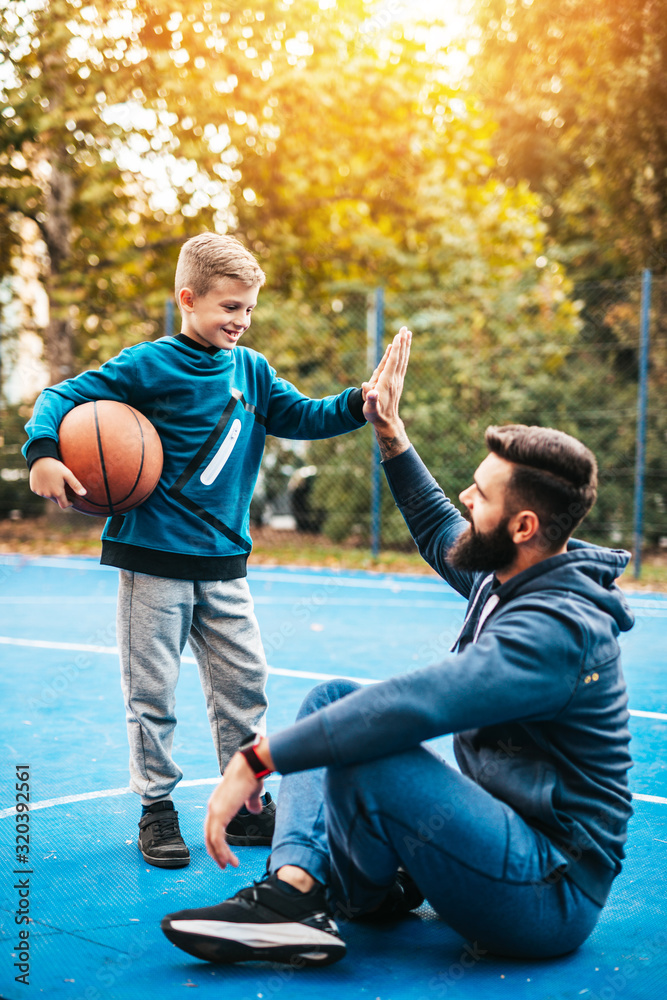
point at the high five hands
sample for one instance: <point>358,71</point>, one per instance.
<point>382,394</point>
<point>239,785</point>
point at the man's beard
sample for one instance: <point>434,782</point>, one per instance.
<point>474,551</point>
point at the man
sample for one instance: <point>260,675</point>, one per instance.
<point>517,850</point>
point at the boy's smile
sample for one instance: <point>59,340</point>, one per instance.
<point>221,316</point>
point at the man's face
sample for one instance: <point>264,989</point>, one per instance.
<point>487,544</point>
<point>222,316</point>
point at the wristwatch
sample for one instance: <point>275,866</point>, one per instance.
<point>247,748</point>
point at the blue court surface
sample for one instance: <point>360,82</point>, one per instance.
<point>95,906</point>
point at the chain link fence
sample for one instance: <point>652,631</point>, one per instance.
<point>460,381</point>
<point>461,378</point>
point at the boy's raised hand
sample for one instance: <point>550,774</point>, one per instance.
<point>48,479</point>
<point>383,391</point>
<point>373,380</point>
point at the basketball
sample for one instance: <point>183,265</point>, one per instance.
<point>115,452</point>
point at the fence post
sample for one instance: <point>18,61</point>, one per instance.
<point>169,317</point>
<point>374,352</point>
<point>642,406</point>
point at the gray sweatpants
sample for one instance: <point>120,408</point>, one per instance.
<point>156,616</point>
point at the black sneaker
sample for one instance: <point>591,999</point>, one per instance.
<point>403,896</point>
<point>253,829</point>
<point>261,923</point>
<point>160,839</point>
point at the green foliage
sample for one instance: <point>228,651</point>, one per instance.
<point>346,159</point>
<point>580,93</point>
<point>14,494</point>
<point>120,138</point>
<point>337,154</point>
<point>579,90</point>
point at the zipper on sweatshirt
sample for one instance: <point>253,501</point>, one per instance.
<point>485,582</point>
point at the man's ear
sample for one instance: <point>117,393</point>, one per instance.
<point>523,526</point>
<point>186,299</point>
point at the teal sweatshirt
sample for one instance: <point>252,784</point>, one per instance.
<point>196,523</point>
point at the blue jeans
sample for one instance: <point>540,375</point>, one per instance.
<point>483,869</point>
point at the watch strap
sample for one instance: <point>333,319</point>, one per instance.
<point>260,770</point>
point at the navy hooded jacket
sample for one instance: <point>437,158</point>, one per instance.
<point>534,692</point>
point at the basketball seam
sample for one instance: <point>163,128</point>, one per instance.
<point>141,463</point>
<point>101,454</point>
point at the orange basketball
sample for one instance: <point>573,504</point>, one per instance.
<point>115,452</point>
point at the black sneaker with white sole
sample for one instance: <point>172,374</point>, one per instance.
<point>268,921</point>
<point>160,839</point>
<point>253,829</point>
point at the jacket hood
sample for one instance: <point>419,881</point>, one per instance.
<point>585,569</point>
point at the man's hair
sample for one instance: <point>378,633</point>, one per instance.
<point>554,474</point>
<point>206,258</point>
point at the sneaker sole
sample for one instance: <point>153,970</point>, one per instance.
<point>205,939</point>
<point>245,841</point>
<point>165,862</point>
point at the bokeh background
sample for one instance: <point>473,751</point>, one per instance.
<point>496,168</point>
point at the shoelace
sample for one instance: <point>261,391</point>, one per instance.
<point>249,893</point>
<point>167,825</point>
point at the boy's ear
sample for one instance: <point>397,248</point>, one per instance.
<point>186,299</point>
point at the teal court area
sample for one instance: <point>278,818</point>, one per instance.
<point>95,906</point>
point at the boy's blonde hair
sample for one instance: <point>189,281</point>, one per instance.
<point>209,256</point>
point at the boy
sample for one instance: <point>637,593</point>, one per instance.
<point>182,554</point>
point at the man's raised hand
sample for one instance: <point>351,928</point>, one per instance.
<point>382,394</point>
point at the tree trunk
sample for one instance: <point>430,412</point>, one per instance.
<point>57,231</point>
<point>58,347</point>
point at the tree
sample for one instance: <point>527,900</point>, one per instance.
<point>416,209</point>
<point>579,88</point>
<point>121,136</point>
<point>344,158</point>
<point>579,91</point>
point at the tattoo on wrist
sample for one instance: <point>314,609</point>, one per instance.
<point>392,444</point>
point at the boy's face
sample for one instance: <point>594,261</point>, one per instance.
<point>219,318</point>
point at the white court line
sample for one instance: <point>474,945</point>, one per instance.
<point>637,599</point>
<point>642,609</point>
<point>310,675</point>
<point>80,647</point>
<point>108,793</point>
<point>655,603</point>
<point>396,584</point>
<point>262,599</point>
<point>57,599</point>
